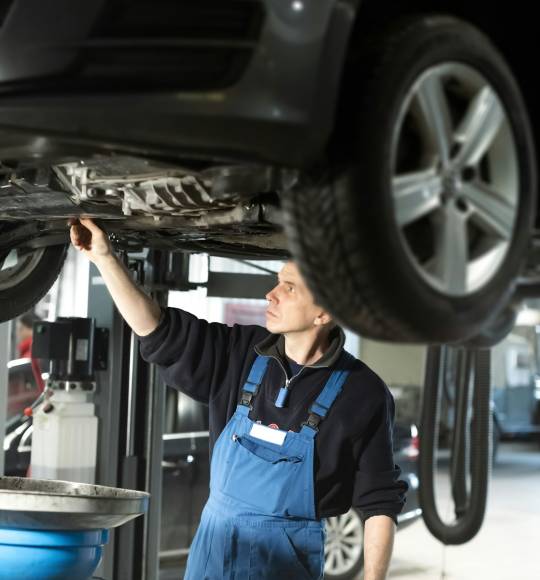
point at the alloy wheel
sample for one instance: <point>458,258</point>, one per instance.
<point>17,265</point>
<point>455,178</point>
<point>344,543</point>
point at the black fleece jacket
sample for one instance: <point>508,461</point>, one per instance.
<point>354,463</point>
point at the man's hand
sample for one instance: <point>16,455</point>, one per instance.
<point>91,240</point>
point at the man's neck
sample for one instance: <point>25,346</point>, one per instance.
<point>306,347</point>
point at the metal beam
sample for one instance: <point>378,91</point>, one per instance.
<point>229,285</point>
<point>108,401</point>
<point>5,334</point>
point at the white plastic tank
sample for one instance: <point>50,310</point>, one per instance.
<point>64,438</point>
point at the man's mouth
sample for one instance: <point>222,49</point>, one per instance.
<point>268,313</point>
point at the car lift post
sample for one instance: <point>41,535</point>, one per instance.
<point>130,401</point>
<point>4,357</point>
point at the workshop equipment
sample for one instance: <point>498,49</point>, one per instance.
<point>56,530</point>
<point>64,439</point>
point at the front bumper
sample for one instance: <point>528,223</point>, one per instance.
<point>279,110</point>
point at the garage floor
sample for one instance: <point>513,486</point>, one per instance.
<point>507,546</point>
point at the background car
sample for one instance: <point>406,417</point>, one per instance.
<point>389,146</point>
<point>186,471</point>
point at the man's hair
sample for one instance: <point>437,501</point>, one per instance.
<point>28,318</point>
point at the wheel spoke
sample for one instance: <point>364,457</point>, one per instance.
<point>434,107</point>
<point>348,551</point>
<point>452,250</point>
<point>416,195</point>
<point>353,541</point>
<point>340,560</point>
<point>351,526</point>
<point>331,523</point>
<point>491,211</point>
<point>479,128</point>
<point>331,559</point>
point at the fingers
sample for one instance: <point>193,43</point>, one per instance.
<point>73,235</point>
<point>80,235</point>
<point>77,238</point>
<point>89,223</point>
<point>87,236</point>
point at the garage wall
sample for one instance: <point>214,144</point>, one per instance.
<point>72,297</point>
<point>396,364</point>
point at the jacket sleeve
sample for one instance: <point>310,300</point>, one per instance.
<point>377,489</point>
<point>193,355</point>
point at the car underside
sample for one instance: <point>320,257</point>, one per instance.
<point>224,209</point>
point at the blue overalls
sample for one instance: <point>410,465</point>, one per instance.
<point>259,521</point>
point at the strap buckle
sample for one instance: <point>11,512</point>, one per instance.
<point>246,397</point>
<point>313,421</point>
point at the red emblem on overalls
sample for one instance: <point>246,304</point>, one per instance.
<point>273,426</point>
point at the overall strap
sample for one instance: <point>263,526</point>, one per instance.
<point>320,408</point>
<point>251,387</point>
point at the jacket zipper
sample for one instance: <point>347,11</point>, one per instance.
<point>284,391</point>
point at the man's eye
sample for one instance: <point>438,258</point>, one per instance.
<point>290,288</point>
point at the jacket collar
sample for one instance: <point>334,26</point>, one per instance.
<point>274,345</point>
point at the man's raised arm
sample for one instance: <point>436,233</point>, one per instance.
<point>140,312</point>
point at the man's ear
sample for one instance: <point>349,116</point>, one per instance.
<point>323,319</point>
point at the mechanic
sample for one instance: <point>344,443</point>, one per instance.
<point>300,430</point>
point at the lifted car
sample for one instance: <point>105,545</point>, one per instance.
<point>388,146</point>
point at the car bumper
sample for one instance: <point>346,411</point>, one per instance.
<point>280,109</point>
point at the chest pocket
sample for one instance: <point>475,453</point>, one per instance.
<point>269,481</point>
<point>267,454</point>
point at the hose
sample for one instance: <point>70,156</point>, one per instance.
<point>474,443</point>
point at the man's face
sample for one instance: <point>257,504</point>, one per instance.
<point>291,305</point>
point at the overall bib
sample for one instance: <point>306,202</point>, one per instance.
<point>259,521</point>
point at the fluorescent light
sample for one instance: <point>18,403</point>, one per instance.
<point>528,317</point>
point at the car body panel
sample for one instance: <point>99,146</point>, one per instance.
<point>280,110</point>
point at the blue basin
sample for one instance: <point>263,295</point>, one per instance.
<point>50,555</point>
<point>56,530</point>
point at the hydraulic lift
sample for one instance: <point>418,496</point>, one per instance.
<point>130,404</point>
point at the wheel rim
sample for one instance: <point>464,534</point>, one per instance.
<point>455,179</point>
<point>344,543</point>
<point>17,265</point>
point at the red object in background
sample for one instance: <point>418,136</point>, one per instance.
<point>25,348</point>
<point>25,351</point>
<point>413,450</point>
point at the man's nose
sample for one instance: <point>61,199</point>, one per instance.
<point>271,296</point>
